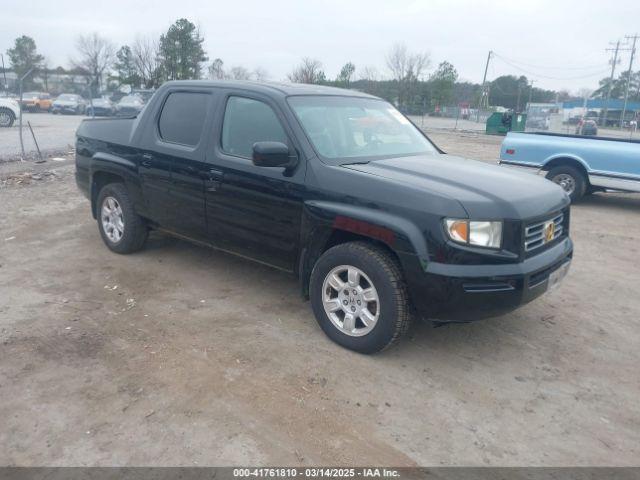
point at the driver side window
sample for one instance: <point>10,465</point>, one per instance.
<point>247,121</point>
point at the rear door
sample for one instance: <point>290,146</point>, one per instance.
<point>254,211</point>
<point>173,169</point>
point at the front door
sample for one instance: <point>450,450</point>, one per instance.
<point>254,211</point>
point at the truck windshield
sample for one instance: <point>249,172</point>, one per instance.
<point>358,129</point>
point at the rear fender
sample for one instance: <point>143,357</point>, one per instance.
<point>113,166</point>
<point>565,156</point>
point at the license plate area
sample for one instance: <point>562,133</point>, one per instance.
<point>556,277</point>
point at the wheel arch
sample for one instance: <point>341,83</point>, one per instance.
<point>98,180</point>
<point>568,160</point>
<point>327,224</point>
<point>107,169</point>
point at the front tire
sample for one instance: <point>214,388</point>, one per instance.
<point>121,228</point>
<point>570,179</point>
<point>359,297</point>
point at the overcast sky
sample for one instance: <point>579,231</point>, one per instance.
<point>559,39</point>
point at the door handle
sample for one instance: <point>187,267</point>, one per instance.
<point>214,179</point>
<point>215,174</point>
<point>146,160</point>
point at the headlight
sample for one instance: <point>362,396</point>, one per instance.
<point>469,232</point>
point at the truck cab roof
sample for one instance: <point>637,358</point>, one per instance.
<point>270,88</point>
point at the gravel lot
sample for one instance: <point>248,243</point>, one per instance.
<point>179,355</point>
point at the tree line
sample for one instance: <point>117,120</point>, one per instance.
<point>178,54</point>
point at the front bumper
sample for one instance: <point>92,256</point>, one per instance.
<point>463,293</point>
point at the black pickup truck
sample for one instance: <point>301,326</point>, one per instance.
<point>336,187</point>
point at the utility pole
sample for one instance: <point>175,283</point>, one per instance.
<point>613,70</point>
<point>484,93</point>
<point>626,88</point>
<point>4,73</point>
<point>531,91</point>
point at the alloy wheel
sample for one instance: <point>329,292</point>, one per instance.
<point>350,300</point>
<point>112,219</point>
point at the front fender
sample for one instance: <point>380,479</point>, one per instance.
<point>322,218</point>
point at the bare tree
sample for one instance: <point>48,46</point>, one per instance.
<point>407,69</point>
<point>260,74</point>
<point>406,66</point>
<point>145,59</point>
<point>369,73</point>
<point>309,71</point>
<point>216,70</point>
<point>240,73</point>
<point>95,55</point>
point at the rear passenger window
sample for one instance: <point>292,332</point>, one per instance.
<point>182,117</point>
<point>247,121</point>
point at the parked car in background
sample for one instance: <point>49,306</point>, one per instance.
<point>9,111</point>
<point>538,123</point>
<point>143,93</point>
<point>587,127</point>
<point>69,103</point>
<point>101,107</point>
<point>575,120</point>
<point>129,106</point>
<point>36,101</point>
<point>579,165</point>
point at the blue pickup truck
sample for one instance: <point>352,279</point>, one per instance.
<point>579,165</point>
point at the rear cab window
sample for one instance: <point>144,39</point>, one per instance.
<point>183,117</point>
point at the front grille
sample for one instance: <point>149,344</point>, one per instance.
<point>536,235</point>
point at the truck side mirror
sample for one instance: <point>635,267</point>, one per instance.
<point>273,154</point>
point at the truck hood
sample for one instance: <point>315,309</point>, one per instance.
<point>485,191</point>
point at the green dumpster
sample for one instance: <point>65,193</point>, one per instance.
<point>499,123</point>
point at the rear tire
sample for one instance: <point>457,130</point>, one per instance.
<point>572,181</point>
<point>376,298</point>
<point>121,228</point>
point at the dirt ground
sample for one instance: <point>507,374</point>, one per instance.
<point>180,355</point>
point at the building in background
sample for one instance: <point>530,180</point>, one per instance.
<point>594,109</point>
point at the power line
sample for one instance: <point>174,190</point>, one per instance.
<point>549,77</point>
<point>549,67</point>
